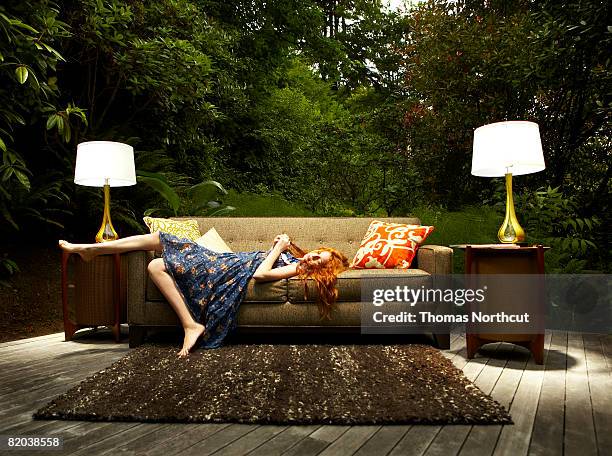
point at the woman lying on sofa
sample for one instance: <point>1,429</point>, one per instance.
<point>205,288</point>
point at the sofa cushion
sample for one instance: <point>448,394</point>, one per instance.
<point>184,229</point>
<point>349,283</point>
<point>256,292</point>
<point>212,241</point>
<point>389,245</point>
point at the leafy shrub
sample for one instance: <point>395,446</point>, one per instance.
<point>552,219</point>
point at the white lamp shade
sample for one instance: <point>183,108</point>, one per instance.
<point>98,161</point>
<point>507,147</point>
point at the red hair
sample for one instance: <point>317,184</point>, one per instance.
<point>324,275</point>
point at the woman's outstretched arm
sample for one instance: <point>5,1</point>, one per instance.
<point>266,272</point>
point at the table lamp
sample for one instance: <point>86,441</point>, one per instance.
<point>507,149</point>
<point>105,164</point>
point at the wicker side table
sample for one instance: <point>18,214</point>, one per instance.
<point>94,293</point>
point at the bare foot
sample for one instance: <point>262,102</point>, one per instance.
<point>87,251</point>
<point>191,336</point>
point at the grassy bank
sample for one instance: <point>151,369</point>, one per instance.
<point>471,225</point>
<point>253,205</point>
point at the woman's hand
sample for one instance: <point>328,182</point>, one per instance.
<point>281,242</point>
<point>266,271</point>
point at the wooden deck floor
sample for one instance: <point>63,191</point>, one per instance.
<point>563,407</point>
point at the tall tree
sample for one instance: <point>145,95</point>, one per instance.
<point>472,63</point>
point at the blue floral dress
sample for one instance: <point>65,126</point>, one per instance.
<point>213,284</point>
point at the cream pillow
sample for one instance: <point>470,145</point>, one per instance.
<point>212,241</point>
<point>180,228</point>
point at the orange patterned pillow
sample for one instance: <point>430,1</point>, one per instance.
<point>389,245</point>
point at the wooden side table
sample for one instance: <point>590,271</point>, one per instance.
<point>94,293</point>
<point>507,259</point>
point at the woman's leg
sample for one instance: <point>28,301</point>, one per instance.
<point>138,242</point>
<point>167,286</point>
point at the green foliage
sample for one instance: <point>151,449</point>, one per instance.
<point>61,120</point>
<point>551,218</point>
<point>148,69</point>
<point>330,152</point>
<point>29,32</point>
<point>7,268</point>
<point>468,64</point>
<point>327,108</point>
<point>198,200</point>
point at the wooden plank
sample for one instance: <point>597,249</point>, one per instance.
<point>29,402</point>
<point>606,348</point>
<point>250,441</point>
<point>317,441</point>
<point>77,372</point>
<point>482,439</point>
<point>384,440</point>
<point>504,389</point>
<point>192,434</point>
<point>547,435</point>
<point>37,350</point>
<point>12,361</point>
<point>284,440</point>
<point>218,440</point>
<point>31,360</point>
<point>160,436</point>
<point>460,360</point>
<point>34,374</point>
<point>450,438</point>
<point>600,385</point>
<point>416,441</point>
<point>39,427</point>
<point>26,366</point>
<point>60,336</point>
<point>515,439</point>
<point>457,344</point>
<point>109,443</point>
<point>486,382</point>
<point>350,441</point>
<point>493,369</point>
<point>87,434</point>
<point>579,436</point>
<point>29,340</point>
<point>44,378</point>
<point>474,367</point>
<point>41,377</point>
<point>160,433</point>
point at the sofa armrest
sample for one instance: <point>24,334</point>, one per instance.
<point>136,285</point>
<point>435,259</point>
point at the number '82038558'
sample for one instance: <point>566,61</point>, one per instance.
<point>8,442</point>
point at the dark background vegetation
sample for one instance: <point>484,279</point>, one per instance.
<point>304,107</point>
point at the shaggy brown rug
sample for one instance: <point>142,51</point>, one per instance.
<point>282,384</point>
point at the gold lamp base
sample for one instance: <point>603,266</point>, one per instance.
<point>106,231</point>
<point>511,231</point>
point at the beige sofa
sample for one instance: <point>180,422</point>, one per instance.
<point>280,305</point>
